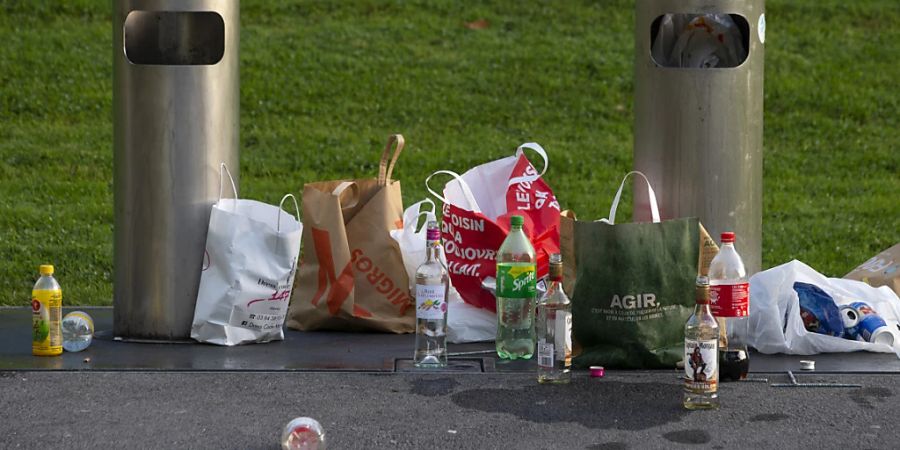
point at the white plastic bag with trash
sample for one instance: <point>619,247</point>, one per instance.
<point>248,271</point>
<point>776,325</point>
<point>698,41</point>
<point>465,323</point>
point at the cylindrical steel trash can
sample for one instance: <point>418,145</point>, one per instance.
<point>698,131</point>
<point>175,107</point>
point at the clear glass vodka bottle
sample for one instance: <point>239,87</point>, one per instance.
<point>554,329</point>
<point>701,359</point>
<point>432,284</point>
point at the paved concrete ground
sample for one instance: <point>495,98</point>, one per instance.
<point>246,410</point>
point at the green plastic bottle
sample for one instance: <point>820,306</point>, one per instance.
<point>516,294</point>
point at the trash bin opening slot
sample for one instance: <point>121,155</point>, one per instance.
<point>699,41</point>
<point>175,38</point>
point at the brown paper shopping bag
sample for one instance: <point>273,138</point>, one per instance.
<point>351,276</point>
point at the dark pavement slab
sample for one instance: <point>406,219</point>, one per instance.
<point>412,411</point>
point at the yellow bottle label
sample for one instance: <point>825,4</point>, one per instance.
<point>46,319</point>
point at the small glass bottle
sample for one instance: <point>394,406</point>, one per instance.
<point>432,284</point>
<point>554,329</point>
<point>701,358</point>
<point>46,315</point>
<point>516,294</point>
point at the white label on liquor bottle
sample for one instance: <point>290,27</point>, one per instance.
<point>431,302</point>
<point>563,334</point>
<point>545,354</point>
<point>701,365</point>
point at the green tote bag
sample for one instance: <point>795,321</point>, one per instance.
<point>633,287</point>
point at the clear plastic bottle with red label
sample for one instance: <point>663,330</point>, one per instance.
<point>730,303</point>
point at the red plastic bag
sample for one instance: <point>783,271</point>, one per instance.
<point>476,212</point>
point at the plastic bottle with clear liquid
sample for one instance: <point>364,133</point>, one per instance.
<point>730,303</point>
<point>516,294</point>
<point>432,284</point>
<point>46,315</point>
<point>77,331</point>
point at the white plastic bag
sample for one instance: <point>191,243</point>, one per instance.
<point>775,323</point>
<point>465,323</point>
<point>248,271</point>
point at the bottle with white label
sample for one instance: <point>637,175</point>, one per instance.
<point>730,303</point>
<point>701,358</point>
<point>432,284</point>
<point>554,329</point>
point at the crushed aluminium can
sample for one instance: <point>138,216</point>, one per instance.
<point>819,312</point>
<point>861,320</point>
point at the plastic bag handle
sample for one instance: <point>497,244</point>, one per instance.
<point>473,205</point>
<point>385,170</point>
<point>424,213</point>
<point>281,206</point>
<point>223,170</point>
<point>341,189</point>
<point>540,151</point>
<point>654,209</point>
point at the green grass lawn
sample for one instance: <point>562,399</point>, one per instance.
<point>324,82</point>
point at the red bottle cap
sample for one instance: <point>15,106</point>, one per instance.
<point>597,371</point>
<point>727,236</point>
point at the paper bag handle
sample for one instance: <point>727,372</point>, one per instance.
<point>281,206</point>
<point>223,170</point>
<point>473,205</point>
<point>654,209</point>
<point>384,169</point>
<point>344,188</point>
<point>540,151</point>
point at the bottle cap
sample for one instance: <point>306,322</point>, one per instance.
<point>555,258</point>
<point>433,233</point>
<point>597,371</point>
<point>516,221</point>
<point>46,269</point>
<point>807,365</point>
<point>727,236</point>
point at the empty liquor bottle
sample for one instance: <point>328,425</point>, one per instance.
<point>516,294</point>
<point>46,315</point>
<point>701,359</point>
<point>730,303</point>
<point>432,283</point>
<point>554,329</point>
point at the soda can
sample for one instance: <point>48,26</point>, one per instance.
<point>871,327</point>
<point>850,317</point>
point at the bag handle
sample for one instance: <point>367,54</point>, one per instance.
<point>281,206</point>
<point>654,209</point>
<point>424,213</point>
<point>467,192</point>
<point>540,151</point>
<point>384,169</point>
<point>223,170</point>
<point>347,187</point>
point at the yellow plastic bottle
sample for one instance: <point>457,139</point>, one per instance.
<point>46,315</point>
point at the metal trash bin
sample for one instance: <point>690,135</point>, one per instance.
<point>175,108</point>
<point>698,131</point>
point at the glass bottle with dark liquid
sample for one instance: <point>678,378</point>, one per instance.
<point>730,303</point>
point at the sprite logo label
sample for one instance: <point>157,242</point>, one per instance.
<point>516,280</point>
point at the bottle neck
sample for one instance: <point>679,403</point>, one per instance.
<point>432,251</point>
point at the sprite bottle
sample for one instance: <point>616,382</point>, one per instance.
<point>516,294</point>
